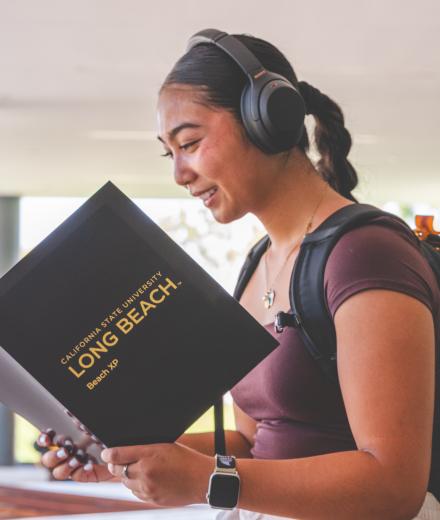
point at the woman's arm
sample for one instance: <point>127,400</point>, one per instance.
<point>386,369</point>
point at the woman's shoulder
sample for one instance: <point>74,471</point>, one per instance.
<point>384,253</point>
<point>385,233</point>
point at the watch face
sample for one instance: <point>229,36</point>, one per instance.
<point>225,461</point>
<point>224,490</point>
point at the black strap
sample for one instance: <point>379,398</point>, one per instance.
<point>249,265</point>
<point>219,434</point>
<point>431,251</point>
<point>245,273</point>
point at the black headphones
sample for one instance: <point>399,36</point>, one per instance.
<point>272,109</point>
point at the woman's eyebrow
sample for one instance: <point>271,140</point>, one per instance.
<point>172,134</point>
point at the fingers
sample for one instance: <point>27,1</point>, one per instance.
<point>79,461</point>
<point>131,479</point>
<point>63,463</point>
<point>82,469</point>
<point>62,456</point>
<point>60,449</point>
<point>118,471</point>
<point>53,458</point>
<point>44,440</point>
<point>123,454</point>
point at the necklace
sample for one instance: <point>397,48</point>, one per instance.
<point>269,295</point>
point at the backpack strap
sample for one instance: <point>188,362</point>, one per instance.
<point>250,265</point>
<point>307,295</point>
<point>431,251</point>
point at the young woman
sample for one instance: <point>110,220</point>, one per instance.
<point>304,447</point>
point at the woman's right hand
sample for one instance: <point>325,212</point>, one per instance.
<point>67,461</point>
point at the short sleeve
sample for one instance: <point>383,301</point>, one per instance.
<point>375,256</point>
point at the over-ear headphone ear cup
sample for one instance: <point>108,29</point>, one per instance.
<point>250,115</point>
<point>273,113</point>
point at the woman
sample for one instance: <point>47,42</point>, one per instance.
<point>305,448</point>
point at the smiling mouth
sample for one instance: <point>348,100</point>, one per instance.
<point>205,195</point>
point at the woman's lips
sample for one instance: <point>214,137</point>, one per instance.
<point>211,195</point>
<point>207,195</point>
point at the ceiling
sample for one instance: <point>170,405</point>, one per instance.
<point>78,85</point>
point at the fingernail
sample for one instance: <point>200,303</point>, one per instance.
<point>82,456</point>
<point>61,453</point>
<point>88,466</point>
<point>105,455</point>
<point>69,446</point>
<point>43,439</point>
<point>73,463</point>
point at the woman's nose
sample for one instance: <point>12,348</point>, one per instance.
<point>183,174</point>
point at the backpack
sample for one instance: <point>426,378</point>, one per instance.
<point>308,303</point>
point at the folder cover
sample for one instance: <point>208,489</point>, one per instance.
<point>110,322</point>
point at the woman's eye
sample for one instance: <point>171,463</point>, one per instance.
<point>188,145</point>
<point>182,147</point>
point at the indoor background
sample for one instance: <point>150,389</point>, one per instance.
<point>78,90</point>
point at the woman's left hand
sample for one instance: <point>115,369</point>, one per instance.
<point>164,475</point>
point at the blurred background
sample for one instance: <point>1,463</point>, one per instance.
<point>78,89</point>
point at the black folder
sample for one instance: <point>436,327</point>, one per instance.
<point>110,323</point>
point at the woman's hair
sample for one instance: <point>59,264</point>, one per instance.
<point>221,82</point>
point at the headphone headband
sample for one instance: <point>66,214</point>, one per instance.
<point>242,56</point>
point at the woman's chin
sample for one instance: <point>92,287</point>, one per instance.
<point>225,217</point>
<point>220,217</point>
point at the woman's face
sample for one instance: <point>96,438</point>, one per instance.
<point>210,154</point>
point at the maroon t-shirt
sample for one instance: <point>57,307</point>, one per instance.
<point>301,413</point>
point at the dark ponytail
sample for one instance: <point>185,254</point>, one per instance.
<point>332,139</point>
<point>220,82</point>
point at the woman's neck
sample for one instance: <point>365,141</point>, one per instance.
<point>295,195</point>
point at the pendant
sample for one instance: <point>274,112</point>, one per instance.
<point>268,298</point>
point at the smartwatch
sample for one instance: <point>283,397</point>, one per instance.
<point>224,483</point>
